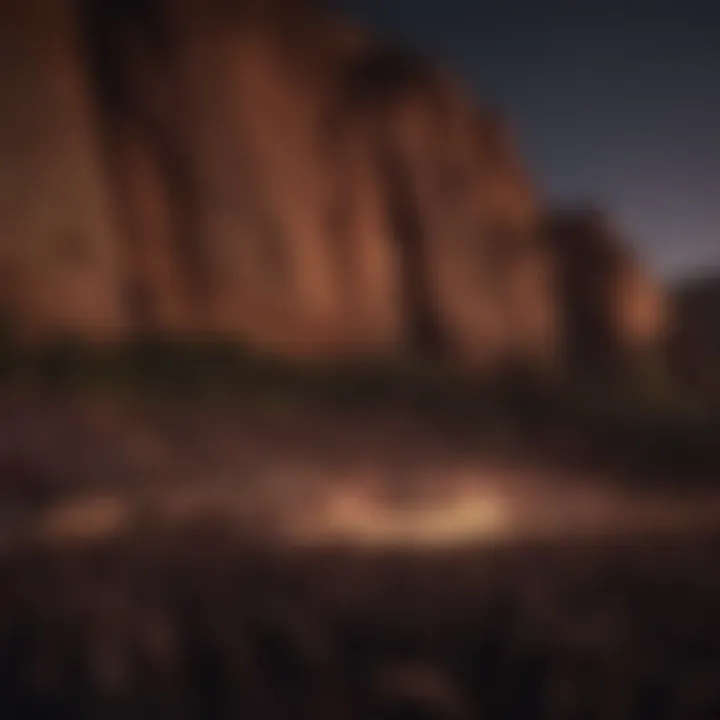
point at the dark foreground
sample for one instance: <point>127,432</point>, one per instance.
<point>194,624</point>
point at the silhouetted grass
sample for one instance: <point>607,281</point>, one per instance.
<point>642,422</point>
<point>197,625</point>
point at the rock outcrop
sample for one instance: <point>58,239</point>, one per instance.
<point>611,309</point>
<point>266,172</point>
<point>60,249</point>
<point>695,341</point>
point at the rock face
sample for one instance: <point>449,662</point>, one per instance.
<point>611,309</point>
<point>695,340</point>
<point>263,171</point>
<point>59,246</point>
<point>258,170</point>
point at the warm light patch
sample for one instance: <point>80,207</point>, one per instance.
<point>361,517</point>
<point>85,519</point>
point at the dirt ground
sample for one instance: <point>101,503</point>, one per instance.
<point>209,561</point>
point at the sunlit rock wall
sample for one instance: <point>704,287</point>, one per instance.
<point>59,247</point>
<point>266,172</point>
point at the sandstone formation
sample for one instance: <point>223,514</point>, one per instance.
<point>261,171</point>
<point>59,247</point>
<point>611,308</point>
<point>695,340</point>
<point>266,172</point>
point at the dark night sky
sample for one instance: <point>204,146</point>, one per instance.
<point>615,102</point>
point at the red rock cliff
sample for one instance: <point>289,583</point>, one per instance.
<point>262,171</point>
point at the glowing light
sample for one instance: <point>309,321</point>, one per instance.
<point>361,517</point>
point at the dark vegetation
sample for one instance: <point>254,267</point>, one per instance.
<point>642,424</point>
<point>196,626</point>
